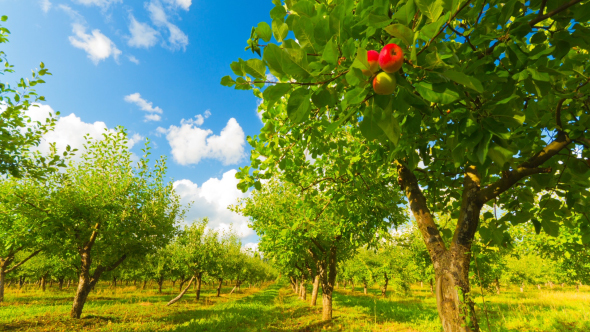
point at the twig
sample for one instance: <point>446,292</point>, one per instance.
<point>553,12</point>
<point>444,27</point>
<point>462,35</point>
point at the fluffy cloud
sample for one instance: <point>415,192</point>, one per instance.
<point>212,199</point>
<point>142,34</point>
<point>177,38</point>
<point>144,105</point>
<point>133,59</point>
<point>190,143</point>
<point>70,130</point>
<point>45,5</point>
<point>184,4</point>
<point>97,46</point>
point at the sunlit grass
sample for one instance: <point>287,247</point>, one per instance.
<point>276,308</point>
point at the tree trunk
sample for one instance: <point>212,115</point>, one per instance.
<point>522,288</point>
<point>199,278</point>
<point>219,287</point>
<point>173,283</point>
<point>303,290</point>
<point>43,282</point>
<point>365,288</point>
<point>455,307</point>
<point>160,283</point>
<point>497,286</point>
<point>85,285</point>
<point>174,300</point>
<point>2,276</point>
<point>328,276</point>
<point>314,292</point>
<point>539,287</point>
<point>21,282</point>
<point>144,285</point>
<point>69,282</point>
<point>384,287</point>
<point>352,286</point>
<point>297,287</point>
<point>293,284</point>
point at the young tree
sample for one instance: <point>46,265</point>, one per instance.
<point>491,107</point>
<point>105,210</point>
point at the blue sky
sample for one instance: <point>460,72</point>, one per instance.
<point>153,67</point>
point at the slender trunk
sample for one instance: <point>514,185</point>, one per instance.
<point>219,287</point>
<point>69,282</point>
<point>328,280</point>
<point>297,287</point>
<point>497,286</point>
<point>562,285</point>
<point>173,283</point>
<point>303,290</point>
<point>144,285</point>
<point>314,292</point>
<point>182,281</point>
<point>384,288</point>
<point>85,285</point>
<point>61,283</point>
<point>365,288</point>
<point>160,283</point>
<point>176,299</point>
<point>134,282</point>
<point>293,284</point>
<point>522,288</point>
<point>21,282</point>
<point>43,282</point>
<point>539,287</point>
<point>352,286</point>
<point>421,284</point>
<point>2,276</point>
<point>199,277</point>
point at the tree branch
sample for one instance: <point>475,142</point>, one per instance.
<point>553,12</point>
<point>444,27</point>
<point>23,261</point>
<point>558,114</point>
<point>527,168</point>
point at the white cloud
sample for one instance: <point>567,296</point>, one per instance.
<point>190,143</point>
<point>70,130</point>
<point>144,105</point>
<point>184,4</point>
<point>97,46</point>
<point>133,59</point>
<point>142,34</point>
<point>45,5</point>
<point>177,38</point>
<point>104,4</point>
<point>251,245</point>
<point>212,199</point>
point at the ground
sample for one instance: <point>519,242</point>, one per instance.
<point>274,307</point>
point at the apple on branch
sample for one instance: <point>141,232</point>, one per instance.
<point>391,58</point>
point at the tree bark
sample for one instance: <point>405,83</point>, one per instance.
<point>199,278</point>
<point>455,307</point>
<point>176,299</point>
<point>160,283</point>
<point>43,282</point>
<point>365,288</point>
<point>297,287</point>
<point>303,290</point>
<point>219,287</point>
<point>328,276</point>
<point>384,287</point>
<point>2,276</point>
<point>314,292</point>
<point>497,286</point>
<point>293,284</point>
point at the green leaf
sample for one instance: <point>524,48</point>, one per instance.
<point>227,81</point>
<point>483,147</point>
<point>330,54</point>
<point>469,81</point>
<point>406,13</point>
<point>431,8</point>
<point>236,67</point>
<point>430,30</point>
<point>273,93</point>
<point>280,30</point>
<point>299,105</point>
<point>273,55</point>
<point>499,154</point>
<point>551,227</point>
<point>390,126</point>
<point>402,32</point>
<point>278,13</point>
<point>538,76</point>
<point>4,18</point>
<point>537,225</point>
<point>441,93</point>
<point>303,29</point>
<point>256,68</point>
<point>263,31</point>
<point>340,121</point>
<point>322,98</point>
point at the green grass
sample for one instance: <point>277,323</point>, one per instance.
<point>276,308</point>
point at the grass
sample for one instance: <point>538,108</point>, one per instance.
<point>274,307</point>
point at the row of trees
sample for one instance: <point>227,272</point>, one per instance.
<point>103,214</point>
<point>491,113</point>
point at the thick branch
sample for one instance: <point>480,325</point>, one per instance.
<point>23,261</point>
<point>424,219</point>
<point>527,168</point>
<point>553,12</point>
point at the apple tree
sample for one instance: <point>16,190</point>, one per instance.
<point>491,106</point>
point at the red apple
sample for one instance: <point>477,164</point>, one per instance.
<point>373,59</point>
<point>384,84</point>
<point>391,58</point>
